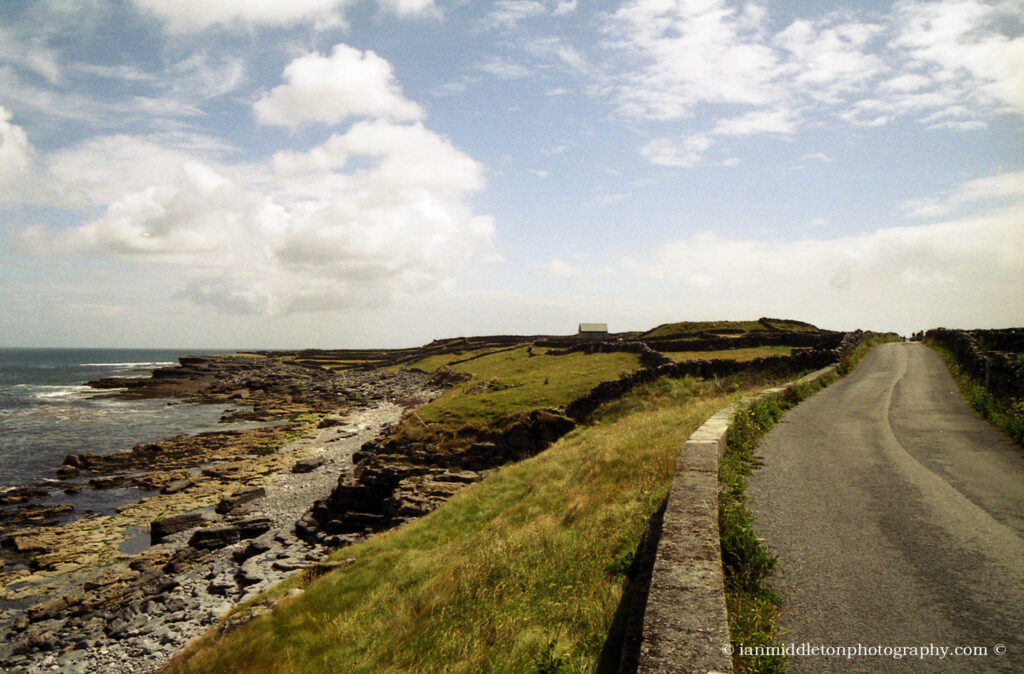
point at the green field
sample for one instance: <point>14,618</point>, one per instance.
<point>742,355</point>
<point>509,383</point>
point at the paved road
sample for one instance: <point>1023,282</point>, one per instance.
<point>898,519</point>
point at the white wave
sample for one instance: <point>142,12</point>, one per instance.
<point>61,391</point>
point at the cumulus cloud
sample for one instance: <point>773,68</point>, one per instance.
<point>15,156</point>
<point>953,63</point>
<point>689,53</point>
<point>302,232</point>
<point>348,83</point>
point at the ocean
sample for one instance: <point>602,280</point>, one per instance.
<point>47,412</point>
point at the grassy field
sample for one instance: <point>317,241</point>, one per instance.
<point>724,328</point>
<point>522,572</point>
<point>742,355</point>
<point>693,328</point>
<point>508,383</point>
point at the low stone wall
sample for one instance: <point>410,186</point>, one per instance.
<point>1002,371</point>
<point>685,624</point>
<point>799,361</point>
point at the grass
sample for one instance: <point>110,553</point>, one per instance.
<point>693,328</point>
<point>432,363</point>
<point>1006,414</point>
<point>509,383</point>
<point>742,355</point>
<point>522,572</point>
<point>725,328</point>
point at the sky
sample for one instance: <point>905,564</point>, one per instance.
<point>382,173</point>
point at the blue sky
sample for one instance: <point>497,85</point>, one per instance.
<point>342,173</point>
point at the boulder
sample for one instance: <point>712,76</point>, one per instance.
<point>162,528</point>
<point>177,486</point>
<point>240,497</point>
<point>212,538</point>
<point>309,464</point>
<point>223,535</point>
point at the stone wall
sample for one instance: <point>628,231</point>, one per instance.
<point>798,361</point>
<point>1000,369</point>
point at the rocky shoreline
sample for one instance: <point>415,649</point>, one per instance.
<point>124,592</point>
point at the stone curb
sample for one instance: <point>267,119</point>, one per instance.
<point>685,626</point>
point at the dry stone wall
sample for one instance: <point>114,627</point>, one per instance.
<point>990,356</point>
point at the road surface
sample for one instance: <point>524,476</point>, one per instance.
<point>897,515</point>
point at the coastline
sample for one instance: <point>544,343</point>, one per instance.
<point>93,594</point>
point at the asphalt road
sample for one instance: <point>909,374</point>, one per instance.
<point>897,515</point>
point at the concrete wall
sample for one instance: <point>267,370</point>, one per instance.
<point>685,625</point>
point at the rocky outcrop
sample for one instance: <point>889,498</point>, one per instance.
<point>397,480</point>
<point>272,387</point>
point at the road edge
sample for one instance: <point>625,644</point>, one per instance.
<point>685,623</point>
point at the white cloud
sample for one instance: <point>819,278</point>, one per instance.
<point>15,156</point>
<point>759,121</point>
<point>302,232</point>
<point>962,272</point>
<point>952,64</point>
<point>963,45</point>
<point>411,7</point>
<point>690,53</point>
<point>198,15</point>
<point>188,15</point>
<point>565,7</point>
<point>507,13</point>
<point>29,53</point>
<point>204,76</point>
<point>195,15</point>
<point>828,62</point>
<point>985,190</point>
<point>506,70</point>
<point>348,83</point>
<point>683,152</point>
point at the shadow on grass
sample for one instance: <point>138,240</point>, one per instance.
<point>621,652</point>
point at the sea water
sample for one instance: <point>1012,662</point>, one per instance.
<point>47,412</point>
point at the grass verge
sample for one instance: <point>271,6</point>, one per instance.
<point>746,562</point>
<point>852,358</point>
<point>522,572</point>
<point>1006,414</point>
